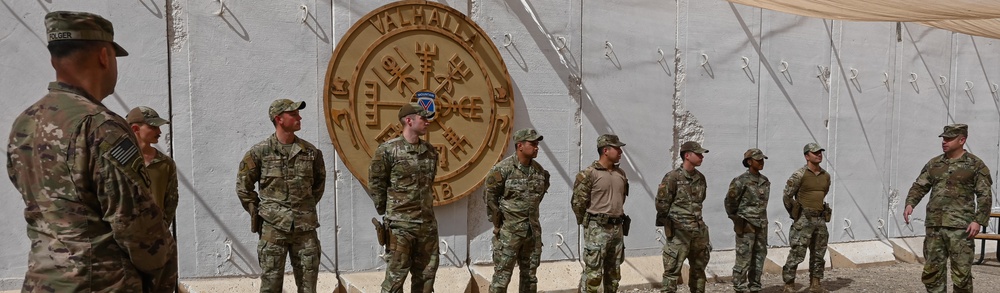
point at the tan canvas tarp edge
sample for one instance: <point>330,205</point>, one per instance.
<point>989,28</point>
<point>883,10</point>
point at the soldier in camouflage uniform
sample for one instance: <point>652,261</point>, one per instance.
<point>291,176</point>
<point>162,170</point>
<point>746,205</point>
<point>401,179</point>
<point>514,189</point>
<point>679,202</point>
<point>956,180</point>
<point>598,202</point>
<point>91,222</point>
<point>803,199</point>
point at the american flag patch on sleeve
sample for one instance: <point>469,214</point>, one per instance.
<point>125,151</point>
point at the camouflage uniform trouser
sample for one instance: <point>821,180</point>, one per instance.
<point>516,245</point>
<point>415,251</point>
<point>604,252</point>
<point>940,244</point>
<point>807,232</point>
<point>693,245</point>
<point>303,248</point>
<point>751,251</point>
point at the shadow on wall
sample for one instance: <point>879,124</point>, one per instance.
<point>237,255</point>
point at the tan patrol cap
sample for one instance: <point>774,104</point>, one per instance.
<point>527,134</point>
<point>609,140</point>
<point>812,147</point>
<point>955,130</point>
<point>283,105</point>
<point>147,115</point>
<point>753,153</point>
<point>74,25</point>
<point>693,146</point>
<point>414,108</point>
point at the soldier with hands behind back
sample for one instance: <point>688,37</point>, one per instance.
<point>599,194</point>
<point>91,221</point>
<point>514,190</point>
<point>803,199</point>
<point>400,183</point>
<point>291,176</point>
<point>746,205</point>
<point>679,202</point>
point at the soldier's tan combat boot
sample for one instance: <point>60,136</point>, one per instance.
<point>789,288</point>
<point>815,286</point>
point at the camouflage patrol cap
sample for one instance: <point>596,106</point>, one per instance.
<point>147,115</point>
<point>955,130</point>
<point>692,146</point>
<point>609,140</point>
<point>283,105</point>
<point>812,147</point>
<point>414,108</point>
<point>527,134</point>
<point>753,153</point>
<point>74,25</point>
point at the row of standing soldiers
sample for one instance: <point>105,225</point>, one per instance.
<point>98,206</point>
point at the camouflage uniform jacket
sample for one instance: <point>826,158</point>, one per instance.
<point>954,185</point>
<point>90,219</point>
<point>163,184</point>
<point>747,198</point>
<point>585,188</point>
<point>291,184</point>
<point>680,198</point>
<point>514,192</point>
<point>401,180</point>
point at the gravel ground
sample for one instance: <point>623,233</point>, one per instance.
<point>901,277</point>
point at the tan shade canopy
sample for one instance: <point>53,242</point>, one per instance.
<point>883,10</point>
<point>989,28</point>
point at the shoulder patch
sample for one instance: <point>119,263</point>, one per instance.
<point>124,151</point>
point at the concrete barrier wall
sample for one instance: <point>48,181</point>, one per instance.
<point>730,76</point>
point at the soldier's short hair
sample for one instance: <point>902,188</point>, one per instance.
<point>65,48</point>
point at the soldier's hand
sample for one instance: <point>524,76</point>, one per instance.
<point>906,213</point>
<point>973,230</point>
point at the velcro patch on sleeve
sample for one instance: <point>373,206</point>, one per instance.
<point>124,152</point>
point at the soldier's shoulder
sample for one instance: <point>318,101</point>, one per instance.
<point>975,159</point>
<point>307,145</point>
<point>798,173</point>
<point>392,143</point>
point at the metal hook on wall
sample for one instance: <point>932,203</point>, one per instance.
<point>508,40</point>
<point>854,73</point>
<point>562,240</point>
<point>608,49</point>
<point>746,62</point>
<point>222,7</point>
<point>660,51</point>
<point>848,222</point>
<point>913,77</point>
<point>885,78</point>
<point>444,248</point>
<point>943,79</point>
<point>993,88</point>
<point>305,13</point>
<point>779,229</point>
<point>783,66</point>
<point>560,43</point>
<point>704,59</point>
<point>969,85</point>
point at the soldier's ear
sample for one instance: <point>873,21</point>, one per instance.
<point>135,127</point>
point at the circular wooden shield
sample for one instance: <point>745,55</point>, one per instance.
<point>409,47</point>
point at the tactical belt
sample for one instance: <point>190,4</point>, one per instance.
<point>610,220</point>
<point>807,212</point>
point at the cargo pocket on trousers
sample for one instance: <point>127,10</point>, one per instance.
<point>592,256</point>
